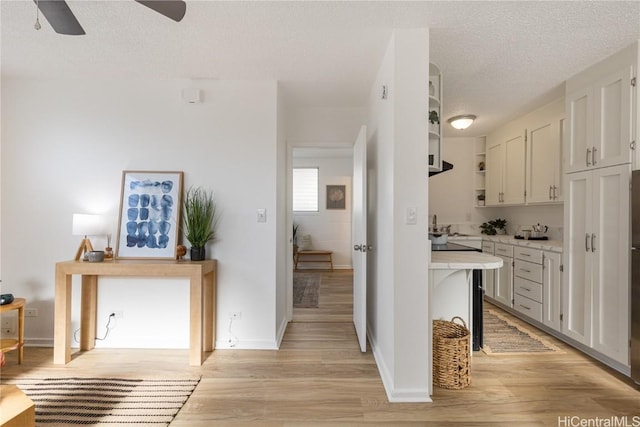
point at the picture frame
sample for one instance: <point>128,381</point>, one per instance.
<point>336,197</point>
<point>149,216</point>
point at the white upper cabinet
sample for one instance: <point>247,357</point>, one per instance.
<point>505,159</point>
<point>599,104</point>
<point>523,159</point>
<point>544,154</point>
<point>612,132</point>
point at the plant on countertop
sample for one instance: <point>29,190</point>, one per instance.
<point>433,117</point>
<point>491,227</point>
<point>200,220</point>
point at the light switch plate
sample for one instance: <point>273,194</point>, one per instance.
<point>412,216</point>
<point>262,215</point>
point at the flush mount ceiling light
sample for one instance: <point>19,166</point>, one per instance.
<point>462,122</point>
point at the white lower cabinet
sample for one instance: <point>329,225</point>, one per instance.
<point>552,289</point>
<point>488,276</point>
<point>595,298</point>
<point>503,287</point>
<point>527,282</point>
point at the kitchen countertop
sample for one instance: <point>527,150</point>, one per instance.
<point>464,260</point>
<point>545,245</point>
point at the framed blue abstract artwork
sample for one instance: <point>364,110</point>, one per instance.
<point>149,220</point>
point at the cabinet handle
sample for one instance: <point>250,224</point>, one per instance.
<point>593,156</point>
<point>586,242</point>
<point>525,307</point>
<point>526,271</point>
<point>523,254</point>
<point>554,192</point>
<point>588,156</point>
<point>593,243</point>
<point>526,289</point>
<point>550,190</point>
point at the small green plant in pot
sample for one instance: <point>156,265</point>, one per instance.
<point>495,226</point>
<point>200,220</point>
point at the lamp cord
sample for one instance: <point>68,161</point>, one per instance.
<point>37,25</point>
<point>106,333</point>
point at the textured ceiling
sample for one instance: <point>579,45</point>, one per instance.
<point>498,59</point>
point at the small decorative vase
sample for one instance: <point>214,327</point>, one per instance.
<point>197,254</point>
<point>181,251</point>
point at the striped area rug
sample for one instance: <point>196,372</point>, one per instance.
<point>105,401</point>
<point>503,336</point>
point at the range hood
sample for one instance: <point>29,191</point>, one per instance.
<point>445,167</point>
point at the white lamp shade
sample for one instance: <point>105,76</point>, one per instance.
<point>462,122</point>
<point>88,225</point>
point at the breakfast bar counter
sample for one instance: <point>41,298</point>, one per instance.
<point>451,285</point>
<point>452,260</point>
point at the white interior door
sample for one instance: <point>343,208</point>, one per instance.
<point>359,237</point>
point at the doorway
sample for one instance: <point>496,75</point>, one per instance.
<point>335,302</point>
<point>329,229</point>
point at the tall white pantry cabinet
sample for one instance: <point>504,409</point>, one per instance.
<point>601,108</point>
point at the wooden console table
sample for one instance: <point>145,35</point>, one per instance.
<point>202,300</point>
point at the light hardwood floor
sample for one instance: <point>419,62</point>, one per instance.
<point>320,378</point>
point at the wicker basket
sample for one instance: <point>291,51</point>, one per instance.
<point>451,352</point>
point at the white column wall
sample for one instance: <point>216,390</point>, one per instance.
<point>398,300</point>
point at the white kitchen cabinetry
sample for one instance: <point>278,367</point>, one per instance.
<point>544,153</point>
<point>527,282</point>
<point>503,287</point>
<point>599,113</point>
<point>488,276</point>
<point>435,129</point>
<point>552,289</point>
<point>595,300</point>
<point>505,161</point>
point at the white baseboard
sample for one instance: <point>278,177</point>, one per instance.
<point>38,342</point>
<point>395,395</point>
<point>247,345</point>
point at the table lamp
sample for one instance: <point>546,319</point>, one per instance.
<point>87,225</point>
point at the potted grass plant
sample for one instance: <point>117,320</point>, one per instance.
<point>200,220</point>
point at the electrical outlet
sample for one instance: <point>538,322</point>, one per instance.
<point>8,325</point>
<point>235,315</point>
<point>31,312</point>
<point>118,314</point>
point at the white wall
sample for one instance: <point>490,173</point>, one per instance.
<point>330,229</point>
<point>399,319</point>
<point>324,126</point>
<point>64,146</point>
<point>451,193</point>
